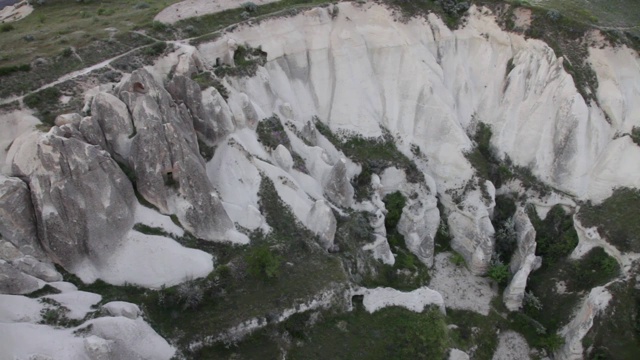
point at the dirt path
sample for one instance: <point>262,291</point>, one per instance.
<point>192,8</point>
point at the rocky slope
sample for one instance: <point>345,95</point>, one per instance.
<point>189,160</point>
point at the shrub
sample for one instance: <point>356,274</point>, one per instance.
<point>394,203</point>
<point>271,133</point>
<point>262,262</point>
<point>250,6</point>
<point>6,27</point>
<point>555,235</point>
<point>457,259</point>
<point>7,70</point>
<point>499,272</point>
<point>155,49</point>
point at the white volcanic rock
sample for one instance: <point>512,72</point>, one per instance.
<point>323,223</point>
<point>511,346</point>
<point>593,305</point>
<point>420,216</point>
<point>414,79</point>
<point>522,262</point>
<point>36,268</point>
<point>416,300</point>
<point>337,186</point>
<point>459,287</point>
<point>472,232</point>
<point>12,281</point>
<point>82,201</point>
<point>455,354</point>
<point>283,158</point>
<point>122,308</point>
<point>17,218</point>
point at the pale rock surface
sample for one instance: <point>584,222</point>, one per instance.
<point>82,201</point>
<point>13,125</point>
<point>380,246</point>
<point>420,216</point>
<point>322,222</point>
<point>282,158</point>
<point>122,308</point>
<point>41,270</point>
<point>455,354</point>
<point>337,186</point>
<point>110,126</point>
<point>149,261</point>
<point>472,232</point>
<point>15,12</point>
<point>460,288</point>
<point>15,308</point>
<point>207,127</point>
<point>17,218</point>
<point>416,300</point>
<point>511,346</point>
<point>522,261</point>
<point>12,281</point>
<point>73,119</point>
<point>164,154</point>
<point>432,92</point>
<point>593,305</point>
<point>98,348</point>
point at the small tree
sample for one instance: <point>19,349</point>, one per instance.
<point>263,262</point>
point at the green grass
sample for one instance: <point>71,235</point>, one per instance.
<point>616,219</point>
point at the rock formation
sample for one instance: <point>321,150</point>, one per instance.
<point>523,260</point>
<point>337,186</point>
<point>17,219</point>
<point>83,202</point>
<point>323,223</point>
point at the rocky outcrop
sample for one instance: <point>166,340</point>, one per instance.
<point>380,246</point>
<point>322,222</point>
<point>202,107</point>
<point>523,261</point>
<point>41,270</point>
<point>122,308</point>
<point>110,126</point>
<point>472,232</point>
<point>83,202</point>
<point>416,300</point>
<point>593,304</point>
<point>511,346</point>
<point>17,218</point>
<point>337,186</point>
<point>12,281</point>
<point>169,171</point>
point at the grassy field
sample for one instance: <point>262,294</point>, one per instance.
<point>605,13</point>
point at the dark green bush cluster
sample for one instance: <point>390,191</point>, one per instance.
<point>271,133</point>
<point>155,49</point>
<point>263,262</point>
<point>206,79</point>
<point>505,234</point>
<point>555,235</point>
<point>7,70</point>
<point>149,230</point>
<point>499,272</point>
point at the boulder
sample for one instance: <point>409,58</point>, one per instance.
<point>322,222</point>
<point>17,218</point>
<point>41,270</point>
<point>14,282</point>
<point>337,186</point>
<point>73,119</point>
<point>283,158</point>
<point>98,348</point>
<point>83,202</point>
<point>418,224</point>
<point>122,308</point>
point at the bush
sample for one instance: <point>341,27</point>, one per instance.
<point>499,272</point>
<point>457,259</point>
<point>263,263</point>
<point>250,6</point>
<point>6,27</point>
<point>394,203</point>
<point>7,70</point>
<point>271,133</point>
<point>155,49</point>
<point>555,235</point>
